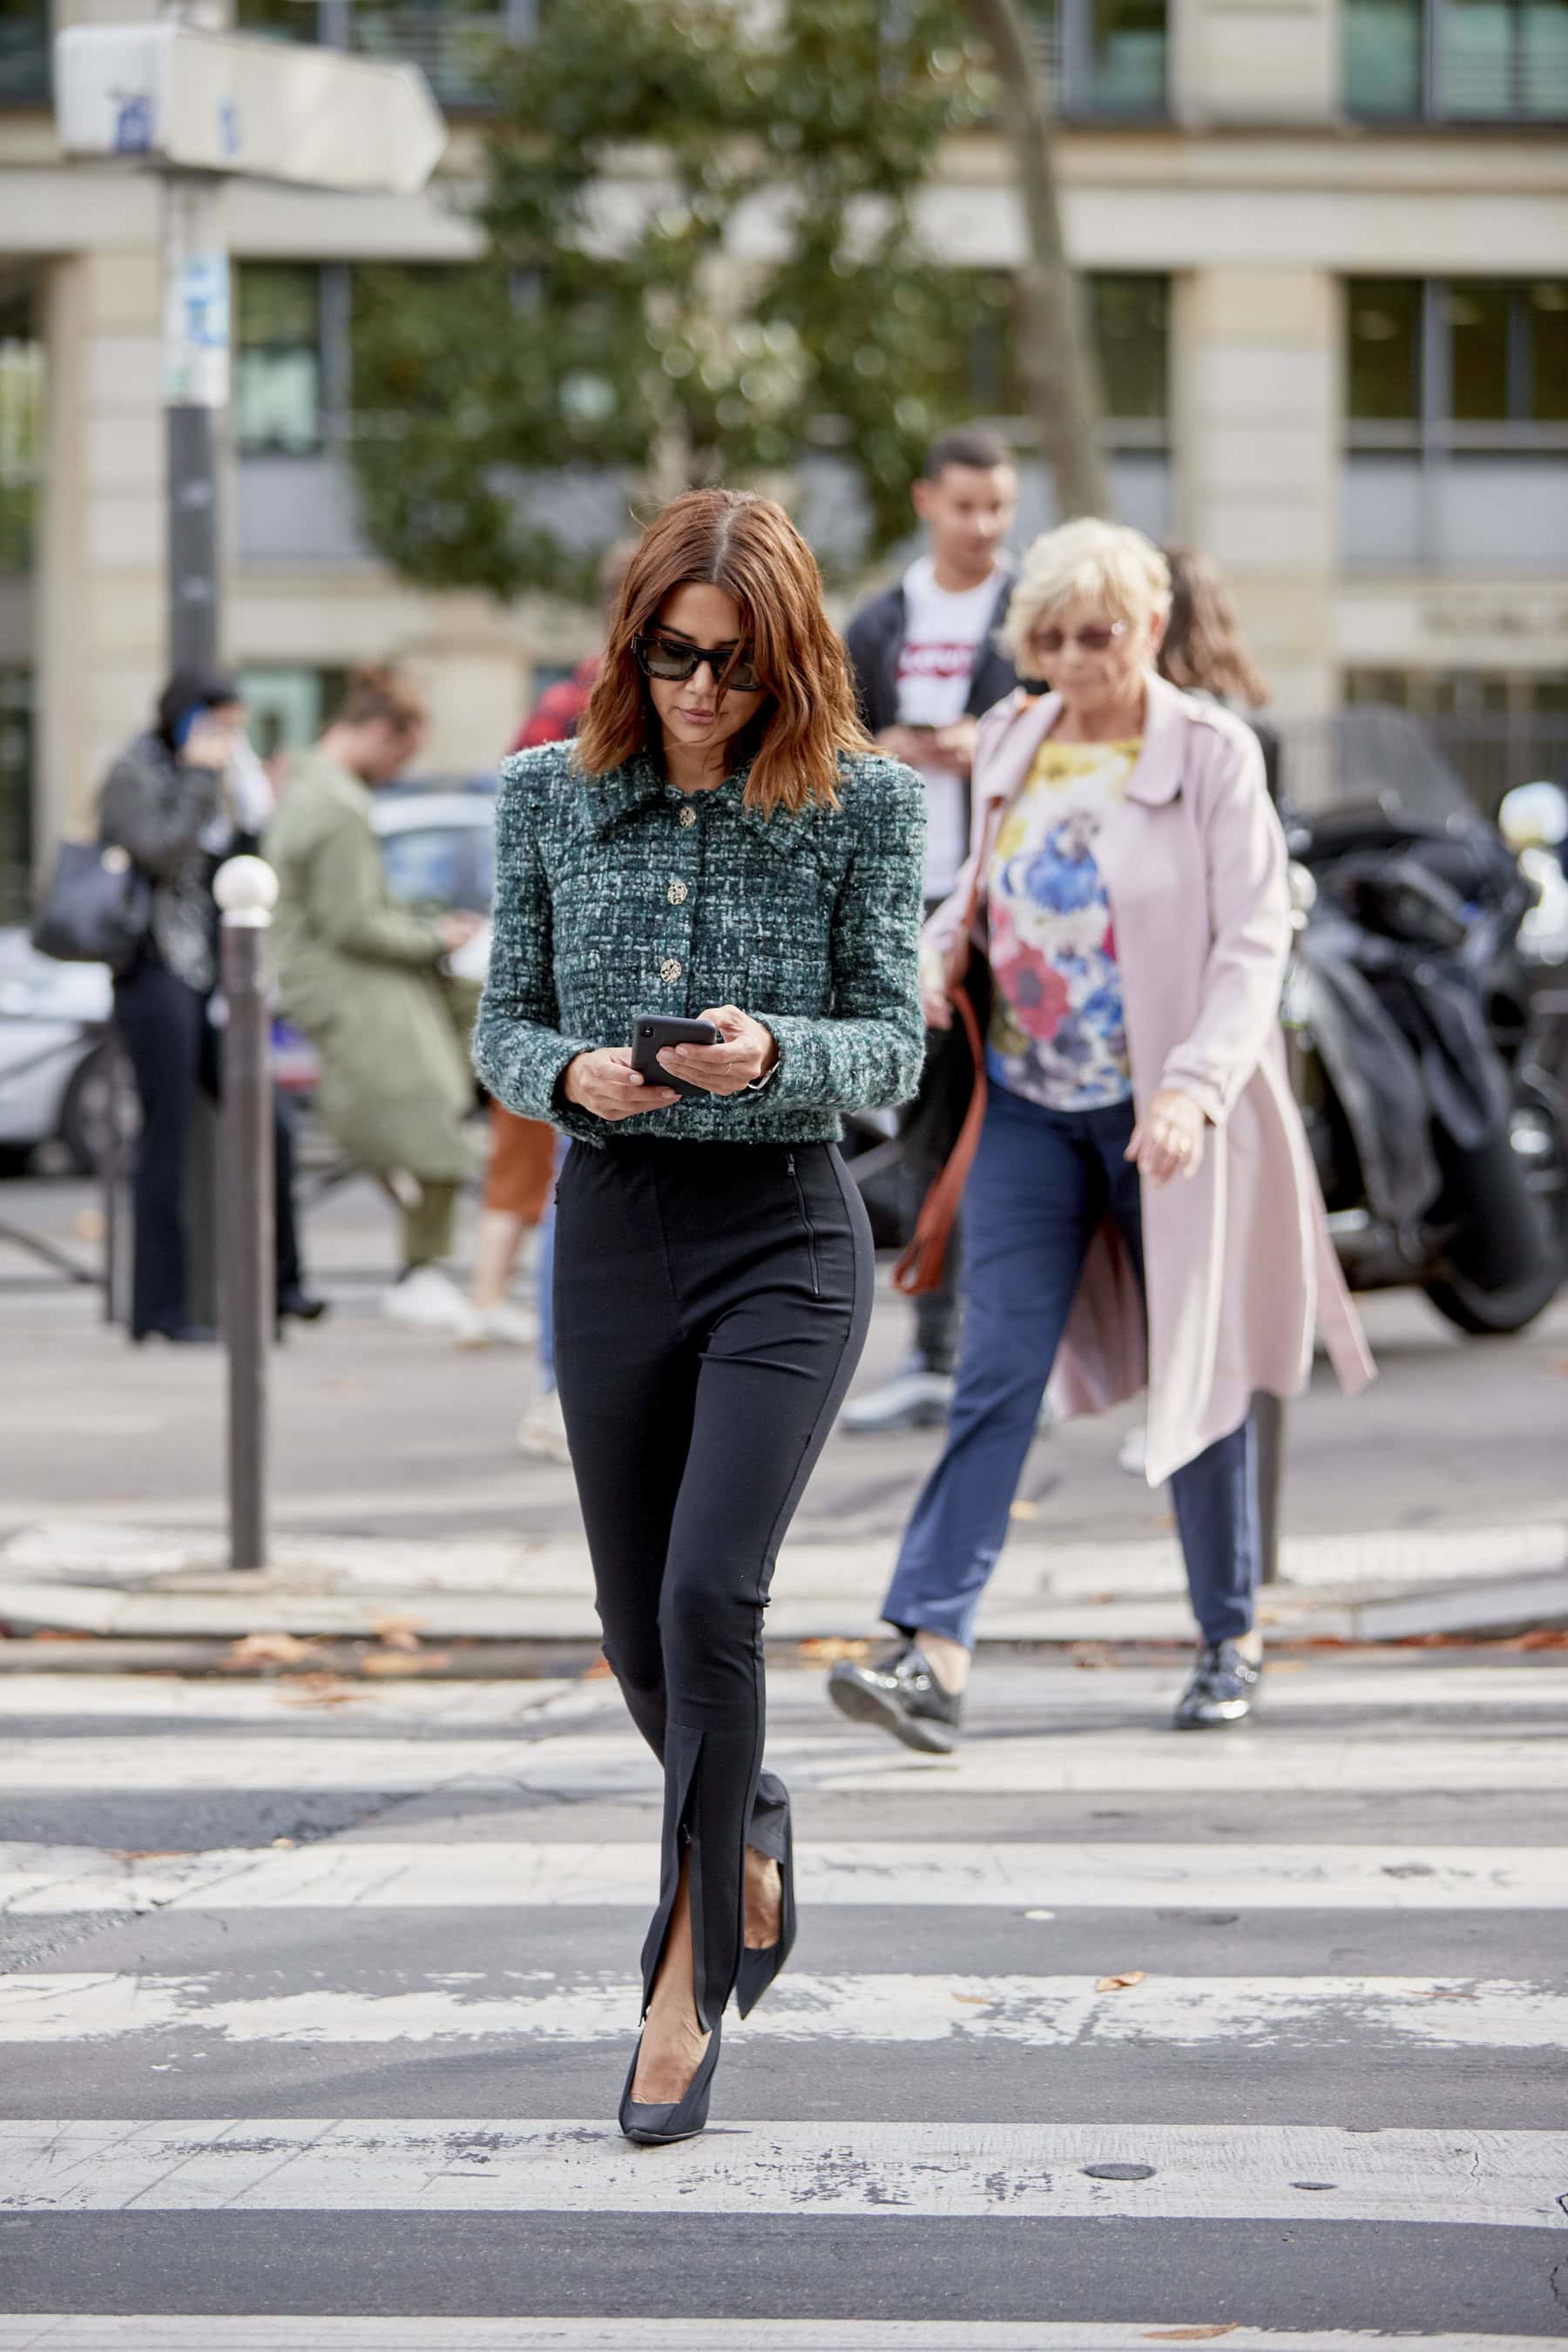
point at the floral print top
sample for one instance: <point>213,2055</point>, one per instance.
<point>1057,1033</point>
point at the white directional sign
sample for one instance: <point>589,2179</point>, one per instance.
<point>270,110</point>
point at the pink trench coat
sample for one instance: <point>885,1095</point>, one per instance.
<point>1238,1260</point>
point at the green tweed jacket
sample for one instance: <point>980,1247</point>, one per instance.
<point>618,895</point>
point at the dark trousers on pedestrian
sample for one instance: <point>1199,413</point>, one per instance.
<point>174,1054</point>
<point>1041,1184</point>
<point>711,1302</point>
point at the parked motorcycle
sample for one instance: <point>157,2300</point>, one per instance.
<point>1427,1066</point>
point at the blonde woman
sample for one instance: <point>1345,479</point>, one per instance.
<point>1142,1207</point>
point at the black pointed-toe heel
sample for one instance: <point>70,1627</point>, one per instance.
<point>760,1964</point>
<point>659,2126</point>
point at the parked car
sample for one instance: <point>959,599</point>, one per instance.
<point>56,1055</point>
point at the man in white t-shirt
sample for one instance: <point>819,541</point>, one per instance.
<point>926,666</point>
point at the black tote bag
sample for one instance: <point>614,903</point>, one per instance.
<point>96,908</point>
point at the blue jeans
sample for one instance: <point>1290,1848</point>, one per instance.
<point>1041,1184</point>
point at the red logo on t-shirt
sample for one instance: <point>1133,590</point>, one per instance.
<point>935,661</point>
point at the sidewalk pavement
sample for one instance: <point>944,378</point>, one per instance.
<point>1437,1502</point>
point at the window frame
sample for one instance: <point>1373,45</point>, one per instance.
<point>1432,104</point>
<point>1432,431</point>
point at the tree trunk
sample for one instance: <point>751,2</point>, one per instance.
<point>1055,350</point>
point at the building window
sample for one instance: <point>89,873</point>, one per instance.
<point>1105,56</point>
<point>1129,313</point>
<point>287,709</point>
<point>290,356</point>
<point>24,53</point>
<point>1457,60</point>
<point>452,40</point>
<point>1458,363</point>
<point>21,432</point>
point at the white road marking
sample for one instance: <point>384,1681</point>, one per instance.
<point>485,1873</point>
<point>1510,2179</point>
<point>1261,1759</point>
<point>43,2333</point>
<point>1041,2013</point>
<point>1052,1686</point>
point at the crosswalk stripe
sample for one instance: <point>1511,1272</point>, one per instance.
<point>1032,2012</point>
<point>483,1874</point>
<point>1292,1685</point>
<point>1133,1757</point>
<point>69,2333</point>
<point>1510,2179</point>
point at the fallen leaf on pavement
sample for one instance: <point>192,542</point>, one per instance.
<point>826,1649</point>
<point>399,1662</point>
<point>1120,1984</point>
<point>974,1999</point>
<point>1190,2334</point>
<point>1091,1654</point>
<point>1023,1510</point>
<point>319,1690</point>
<point>597,1671</point>
<point>396,1632</point>
<point>61,1633</point>
<point>1286,1666</point>
<point>269,1650</point>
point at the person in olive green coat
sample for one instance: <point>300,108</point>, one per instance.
<point>362,977</point>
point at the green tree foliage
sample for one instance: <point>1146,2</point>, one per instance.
<point>701,263</point>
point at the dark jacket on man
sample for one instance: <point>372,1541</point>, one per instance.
<point>876,638</point>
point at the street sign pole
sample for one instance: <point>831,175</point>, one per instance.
<point>195,394</point>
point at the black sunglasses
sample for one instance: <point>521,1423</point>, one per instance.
<point>675,659</point>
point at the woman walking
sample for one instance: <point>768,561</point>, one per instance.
<point>1129,884</point>
<point>720,842</point>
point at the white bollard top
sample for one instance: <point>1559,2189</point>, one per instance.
<point>247,890</point>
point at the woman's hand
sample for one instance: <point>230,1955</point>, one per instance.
<point>605,1083</point>
<point>747,1053</point>
<point>935,1002</point>
<point>1168,1139</point>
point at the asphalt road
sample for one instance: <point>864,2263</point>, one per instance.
<point>316,2002</point>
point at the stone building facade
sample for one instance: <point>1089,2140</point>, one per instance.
<point>1330,234</point>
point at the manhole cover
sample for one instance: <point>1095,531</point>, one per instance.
<point>1120,2171</point>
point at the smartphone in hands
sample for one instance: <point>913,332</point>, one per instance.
<point>651,1032</point>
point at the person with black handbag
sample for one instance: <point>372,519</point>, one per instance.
<point>167,806</point>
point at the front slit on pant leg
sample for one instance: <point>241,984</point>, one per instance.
<point>700,1376</point>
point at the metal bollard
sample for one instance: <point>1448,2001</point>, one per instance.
<point>245,890</point>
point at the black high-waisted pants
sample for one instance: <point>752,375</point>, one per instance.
<point>711,1302</point>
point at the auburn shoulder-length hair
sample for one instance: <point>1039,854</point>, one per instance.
<point>748,547</point>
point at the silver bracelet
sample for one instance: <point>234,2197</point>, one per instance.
<point>760,1086</point>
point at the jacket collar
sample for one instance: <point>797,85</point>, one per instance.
<point>1025,723</point>
<point>629,789</point>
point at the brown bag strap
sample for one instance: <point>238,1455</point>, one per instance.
<point>920,1266</point>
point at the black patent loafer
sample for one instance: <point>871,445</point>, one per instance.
<point>903,1697</point>
<point>1224,1689</point>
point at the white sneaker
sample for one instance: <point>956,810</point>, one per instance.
<point>541,1432</point>
<point>1134,1451</point>
<point>427,1300</point>
<point>504,1324</point>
